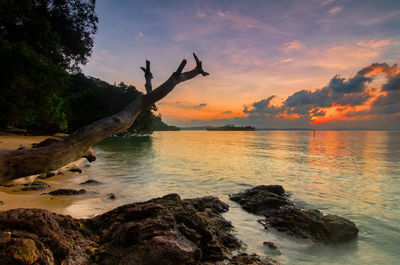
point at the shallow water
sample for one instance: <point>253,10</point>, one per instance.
<point>354,174</point>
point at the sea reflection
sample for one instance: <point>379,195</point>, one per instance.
<point>355,174</point>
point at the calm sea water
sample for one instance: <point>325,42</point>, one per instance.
<point>354,174</point>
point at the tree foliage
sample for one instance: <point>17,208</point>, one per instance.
<point>40,40</point>
<point>61,30</point>
<point>42,44</point>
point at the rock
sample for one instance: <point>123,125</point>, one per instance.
<point>25,251</point>
<point>246,259</point>
<point>269,244</point>
<point>91,182</point>
<point>311,224</point>
<point>71,192</point>
<point>111,196</point>
<point>36,236</point>
<point>261,199</point>
<point>161,231</point>
<point>36,185</point>
<point>46,176</point>
<point>1,203</point>
<point>165,230</point>
<point>283,215</point>
<point>5,237</point>
<point>75,169</point>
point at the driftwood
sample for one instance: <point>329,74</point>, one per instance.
<point>22,163</point>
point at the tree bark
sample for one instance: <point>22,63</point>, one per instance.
<point>22,163</point>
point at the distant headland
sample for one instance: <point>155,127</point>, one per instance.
<point>230,127</point>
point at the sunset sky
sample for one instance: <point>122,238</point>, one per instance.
<point>273,64</point>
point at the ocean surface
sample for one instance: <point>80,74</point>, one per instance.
<point>354,174</point>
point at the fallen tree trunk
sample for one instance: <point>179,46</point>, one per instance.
<point>21,163</point>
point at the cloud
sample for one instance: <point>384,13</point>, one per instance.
<point>335,10</point>
<point>293,46</point>
<point>326,2</point>
<point>354,85</point>
<point>139,35</point>
<point>379,19</point>
<point>393,84</point>
<point>184,105</point>
<point>342,99</point>
<point>264,106</point>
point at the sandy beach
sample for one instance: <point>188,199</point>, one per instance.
<point>12,198</point>
<point>13,141</point>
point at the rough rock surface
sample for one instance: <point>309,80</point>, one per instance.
<point>282,214</point>
<point>164,230</point>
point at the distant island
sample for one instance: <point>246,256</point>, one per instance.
<point>232,128</point>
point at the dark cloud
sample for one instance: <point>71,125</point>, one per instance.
<point>303,101</point>
<point>388,103</point>
<point>263,107</point>
<point>356,84</point>
<point>393,84</point>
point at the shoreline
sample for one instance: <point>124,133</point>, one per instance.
<point>12,198</point>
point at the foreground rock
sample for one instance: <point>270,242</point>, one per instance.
<point>164,230</point>
<point>282,214</point>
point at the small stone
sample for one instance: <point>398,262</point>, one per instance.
<point>5,237</point>
<point>26,251</point>
<point>76,169</point>
<point>91,182</point>
<point>270,244</point>
<point>67,192</point>
<point>1,203</point>
<point>111,196</point>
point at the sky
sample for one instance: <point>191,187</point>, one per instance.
<point>319,64</point>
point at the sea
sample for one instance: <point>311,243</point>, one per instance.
<point>353,174</point>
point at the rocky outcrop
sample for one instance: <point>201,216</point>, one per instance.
<point>164,230</point>
<point>280,213</point>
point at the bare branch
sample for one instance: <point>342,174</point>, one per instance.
<point>148,76</point>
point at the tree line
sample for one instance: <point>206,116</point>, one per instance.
<point>43,43</point>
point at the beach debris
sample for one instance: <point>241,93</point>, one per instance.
<point>282,214</point>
